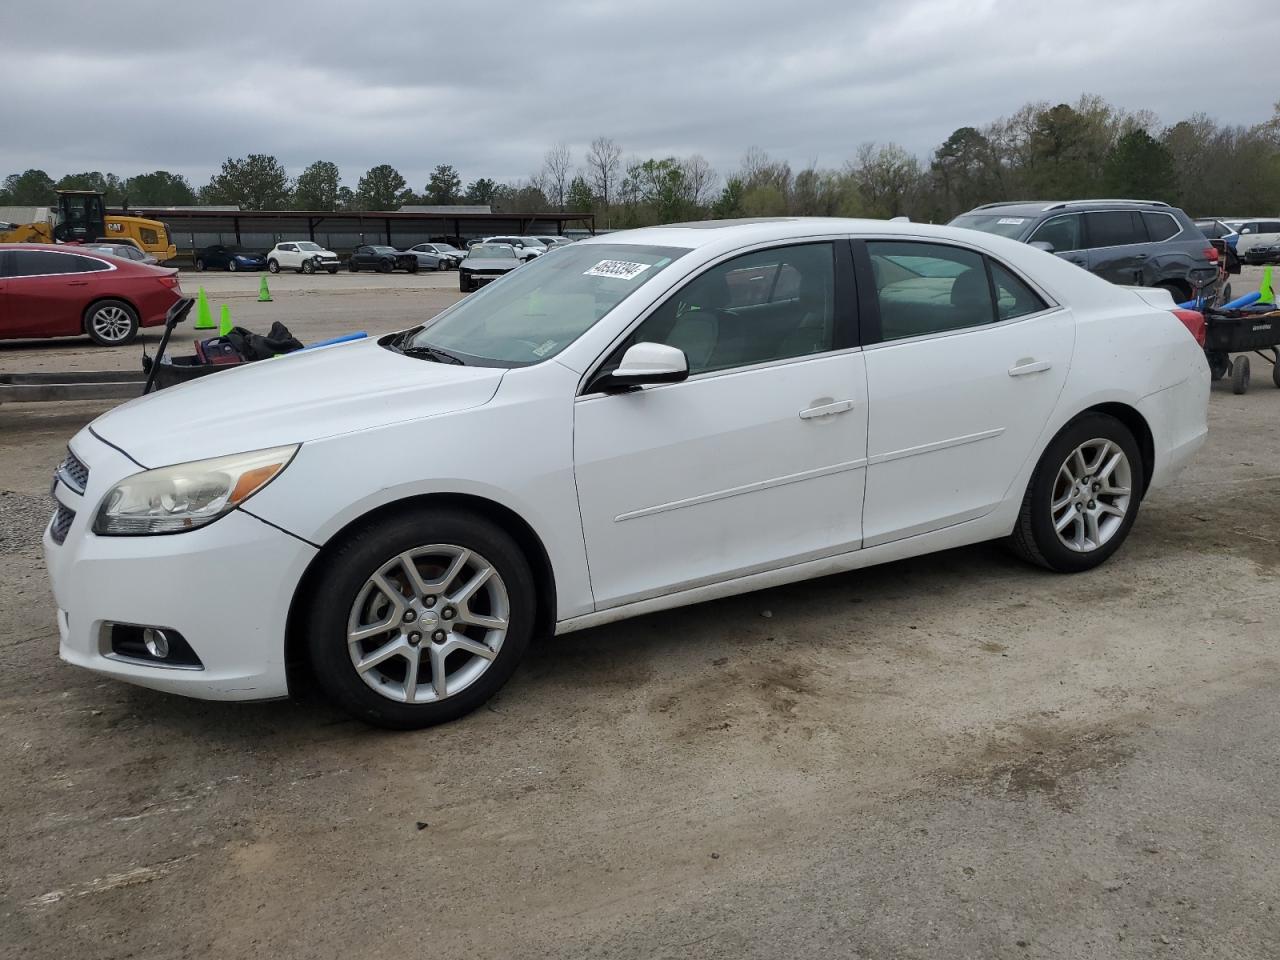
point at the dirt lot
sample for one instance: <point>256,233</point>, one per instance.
<point>956,756</point>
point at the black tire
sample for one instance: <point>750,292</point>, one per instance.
<point>231,265</point>
<point>1033,538</point>
<point>273,266</point>
<point>1240,375</point>
<point>385,266</point>
<point>463,285</point>
<point>200,265</point>
<point>1275,369</point>
<point>1226,294</point>
<point>308,266</point>
<point>106,316</point>
<point>442,264</point>
<point>362,553</point>
<point>413,268</point>
<point>332,270</point>
<point>353,266</point>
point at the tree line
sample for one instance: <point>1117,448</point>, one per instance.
<point>1043,151</point>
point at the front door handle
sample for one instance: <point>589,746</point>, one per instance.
<point>1023,367</point>
<point>826,409</point>
<point>77,283</point>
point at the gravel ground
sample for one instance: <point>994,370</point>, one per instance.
<point>953,756</point>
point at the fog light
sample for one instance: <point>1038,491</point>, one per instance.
<point>156,642</point>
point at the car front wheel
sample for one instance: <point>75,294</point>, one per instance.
<point>111,323</point>
<point>1083,497</point>
<point>421,618</point>
<point>199,264</point>
<point>308,266</point>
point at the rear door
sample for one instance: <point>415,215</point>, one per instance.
<point>1117,241</point>
<point>47,292</point>
<point>960,382</point>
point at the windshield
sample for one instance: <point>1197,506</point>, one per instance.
<point>532,242</point>
<point>383,249</point>
<point>534,312</point>
<point>999,223</point>
<point>308,245</point>
<point>497,251</point>
<point>445,248</point>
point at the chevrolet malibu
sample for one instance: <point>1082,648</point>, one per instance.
<point>642,421</point>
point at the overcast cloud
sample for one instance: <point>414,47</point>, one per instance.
<point>489,85</point>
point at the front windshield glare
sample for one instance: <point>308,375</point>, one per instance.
<point>307,245</point>
<point>540,308</point>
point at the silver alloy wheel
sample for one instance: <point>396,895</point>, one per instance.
<point>1091,495</point>
<point>428,623</point>
<point>112,324</point>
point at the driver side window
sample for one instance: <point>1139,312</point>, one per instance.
<point>768,305</point>
<point>1063,232</point>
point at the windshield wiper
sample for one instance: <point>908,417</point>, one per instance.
<point>433,353</point>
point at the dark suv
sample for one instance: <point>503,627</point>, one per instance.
<point>1135,243</point>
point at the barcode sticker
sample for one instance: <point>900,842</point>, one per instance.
<point>1013,220</point>
<point>617,269</point>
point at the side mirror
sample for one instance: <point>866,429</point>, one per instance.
<point>644,364</point>
<point>1044,245</point>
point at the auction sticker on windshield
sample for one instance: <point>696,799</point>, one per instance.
<point>1013,220</point>
<point>617,269</point>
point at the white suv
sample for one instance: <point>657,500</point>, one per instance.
<point>301,255</point>
<point>526,247</point>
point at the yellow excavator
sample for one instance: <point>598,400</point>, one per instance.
<point>81,217</point>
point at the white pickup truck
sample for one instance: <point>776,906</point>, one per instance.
<point>301,255</point>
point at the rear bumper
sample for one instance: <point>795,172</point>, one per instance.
<point>1178,417</point>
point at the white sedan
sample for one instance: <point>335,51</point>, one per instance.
<point>644,420</point>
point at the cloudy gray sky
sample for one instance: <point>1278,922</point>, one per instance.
<point>489,85</point>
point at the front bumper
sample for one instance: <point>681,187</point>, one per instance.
<point>226,588</point>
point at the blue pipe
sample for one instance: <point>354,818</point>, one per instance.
<point>345,338</point>
<point>1244,301</point>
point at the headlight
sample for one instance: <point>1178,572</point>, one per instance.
<point>187,495</point>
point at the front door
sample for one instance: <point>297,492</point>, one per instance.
<point>757,460</point>
<point>960,386</point>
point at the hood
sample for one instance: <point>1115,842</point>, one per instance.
<point>292,399</point>
<point>489,263</point>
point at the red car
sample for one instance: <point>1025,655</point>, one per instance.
<point>63,290</point>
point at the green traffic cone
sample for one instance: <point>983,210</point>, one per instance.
<point>1265,293</point>
<point>224,321</point>
<point>264,294</point>
<point>204,316</point>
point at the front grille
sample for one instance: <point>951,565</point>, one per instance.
<point>74,473</point>
<point>61,523</point>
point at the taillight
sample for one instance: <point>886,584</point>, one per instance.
<point>1211,253</point>
<point>1193,320</point>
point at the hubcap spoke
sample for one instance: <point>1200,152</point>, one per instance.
<point>412,657</point>
<point>467,618</point>
<point>441,584</point>
<point>459,642</point>
<point>439,682</point>
<point>478,580</point>
<point>395,648</point>
<point>1066,520</point>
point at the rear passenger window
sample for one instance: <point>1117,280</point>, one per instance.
<point>1271,226</point>
<point>1013,297</point>
<point>35,263</point>
<point>1114,228</point>
<point>768,305</point>
<point>926,288</point>
<point>1161,226</point>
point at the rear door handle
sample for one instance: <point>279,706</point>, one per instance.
<point>77,283</point>
<point>826,409</point>
<point>1023,367</point>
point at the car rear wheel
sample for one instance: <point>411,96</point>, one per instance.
<point>421,618</point>
<point>385,266</point>
<point>200,264</point>
<point>111,323</point>
<point>273,266</point>
<point>231,265</point>
<point>1083,497</point>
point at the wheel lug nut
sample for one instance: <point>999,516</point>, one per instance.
<point>410,616</point>
<point>1092,504</point>
<point>429,601</point>
<point>449,613</point>
<point>438,636</point>
<point>415,638</point>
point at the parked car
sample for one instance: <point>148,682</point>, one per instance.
<point>526,248</point>
<point>486,262</point>
<point>125,251</point>
<point>302,256</point>
<point>1259,241</point>
<point>1129,242</point>
<point>450,254</point>
<point>372,256</point>
<point>54,290</point>
<point>644,420</point>
<point>550,242</point>
<point>221,256</point>
<point>1217,230</point>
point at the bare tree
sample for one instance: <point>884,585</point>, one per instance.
<point>602,169</point>
<point>557,172</point>
<point>700,180</point>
